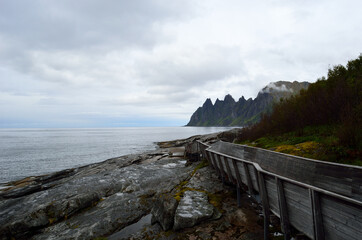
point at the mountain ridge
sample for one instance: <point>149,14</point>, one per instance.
<point>228,112</point>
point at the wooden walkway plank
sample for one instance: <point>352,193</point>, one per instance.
<point>284,218</point>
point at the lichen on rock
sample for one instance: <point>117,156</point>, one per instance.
<point>193,208</point>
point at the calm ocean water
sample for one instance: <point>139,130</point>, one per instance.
<point>31,152</point>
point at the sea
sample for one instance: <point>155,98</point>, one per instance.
<point>33,152</point>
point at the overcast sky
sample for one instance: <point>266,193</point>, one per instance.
<point>110,63</point>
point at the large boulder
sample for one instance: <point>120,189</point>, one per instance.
<point>163,211</point>
<point>193,208</point>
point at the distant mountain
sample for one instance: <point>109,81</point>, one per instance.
<point>244,112</point>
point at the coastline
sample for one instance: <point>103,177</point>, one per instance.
<point>34,152</point>
<point>101,199</point>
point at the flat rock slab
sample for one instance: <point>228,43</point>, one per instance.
<point>193,208</point>
<point>207,180</point>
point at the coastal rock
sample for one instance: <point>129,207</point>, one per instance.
<point>193,208</point>
<point>202,179</point>
<point>111,198</point>
<point>163,211</point>
<point>95,200</point>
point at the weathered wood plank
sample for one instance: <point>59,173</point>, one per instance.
<point>205,155</point>
<point>238,177</point>
<point>231,167</point>
<point>228,170</point>
<point>338,178</point>
<point>221,166</point>
<point>248,179</point>
<point>214,163</point>
<point>315,193</point>
<point>284,218</point>
<point>319,229</point>
<point>298,194</point>
<point>216,160</point>
<point>242,173</point>
<point>299,208</point>
<point>253,176</point>
<point>265,203</point>
<point>345,215</point>
<point>336,232</point>
<point>301,219</point>
<point>271,189</point>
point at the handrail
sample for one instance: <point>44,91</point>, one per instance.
<point>331,214</point>
<point>260,169</point>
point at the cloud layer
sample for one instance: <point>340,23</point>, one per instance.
<point>130,63</point>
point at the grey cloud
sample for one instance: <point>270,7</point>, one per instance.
<point>150,58</point>
<point>193,68</point>
<point>89,29</point>
<point>83,24</point>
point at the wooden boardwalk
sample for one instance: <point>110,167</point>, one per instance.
<point>322,200</point>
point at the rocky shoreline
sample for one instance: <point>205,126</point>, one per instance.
<point>154,195</point>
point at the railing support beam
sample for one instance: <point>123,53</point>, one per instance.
<point>238,195</point>
<point>228,169</point>
<point>222,170</point>
<point>284,219</point>
<point>317,215</point>
<point>248,179</point>
<point>265,203</point>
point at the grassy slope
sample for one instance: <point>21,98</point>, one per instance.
<point>323,122</point>
<point>318,142</point>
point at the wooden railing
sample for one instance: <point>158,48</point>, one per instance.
<point>321,200</point>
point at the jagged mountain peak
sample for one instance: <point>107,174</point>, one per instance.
<point>242,99</point>
<point>227,112</point>
<point>207,103</point>
<point>229,98</point>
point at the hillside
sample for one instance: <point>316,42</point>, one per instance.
<point>228,112</point>
<point>323,122</point>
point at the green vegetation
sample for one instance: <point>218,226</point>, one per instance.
<point>214,199</point>
<point>181,188</point>
<point>322,122</point>
<point>202,164</point>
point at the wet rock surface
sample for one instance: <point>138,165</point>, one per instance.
<point>95,200</point>
<point>233,223</point>
<point>193,208</point>
<point>163,210</point>
<point>108,199</point>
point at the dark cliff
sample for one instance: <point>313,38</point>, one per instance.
<point>227,112</point>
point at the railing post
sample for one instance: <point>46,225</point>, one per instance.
<point>239,182</point>
<point>284,219</point>
<point>214,163</point>
<point>248,178</point>
<point>222,170</point>
<point>208,156</point>
<point>238,196</point>
<point>199,150</point>
<point>230,175</point>
<point>265,203</point>
<point>317,215</point>
<point>237,173</point>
